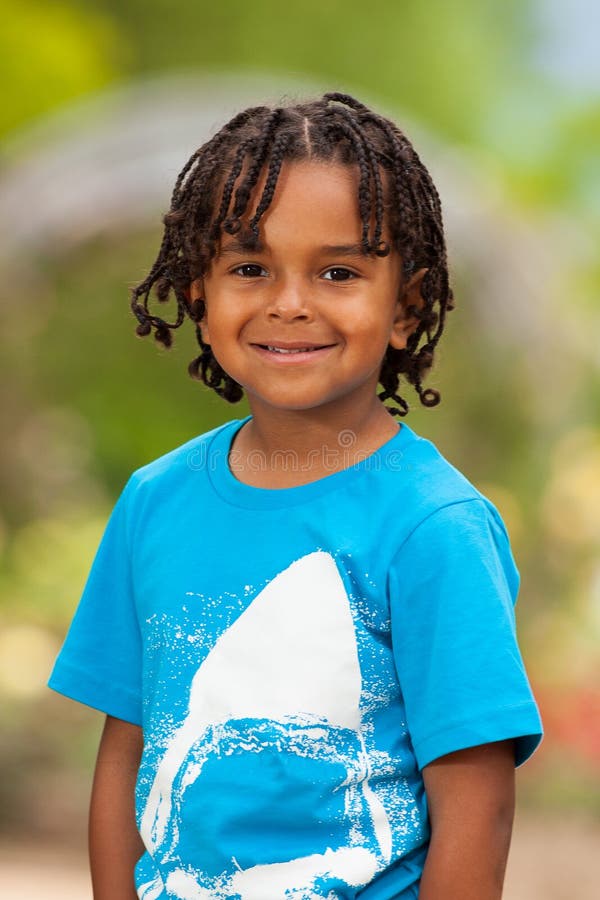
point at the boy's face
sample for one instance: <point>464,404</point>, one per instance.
<point>308,285</point>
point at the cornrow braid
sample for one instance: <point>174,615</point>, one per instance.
<point>213,192</point>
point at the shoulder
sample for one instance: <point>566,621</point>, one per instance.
<point>178,466</point>
<point>452,531</point>
<point>437,492</point>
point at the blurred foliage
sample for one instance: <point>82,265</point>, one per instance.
<point>424,56</point>
<point>53,52</point>
<point>88,402</point>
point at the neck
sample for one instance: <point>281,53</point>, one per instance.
<point>317,434</point>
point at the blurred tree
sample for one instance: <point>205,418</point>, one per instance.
<point>444,63</point>
<point>50,53</point>
<point>88,402</point>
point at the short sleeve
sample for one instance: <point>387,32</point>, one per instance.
<point>453,587</point>
<point>100,661</point>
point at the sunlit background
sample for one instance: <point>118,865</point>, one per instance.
<point>102,103</point>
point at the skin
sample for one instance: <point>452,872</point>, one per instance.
<point>470,794</point>
<point>114,842</point>
<point>297,290</point>
<point>294,289</point>
<point>471,800</point>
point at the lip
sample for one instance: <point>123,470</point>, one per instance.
<point>290,345</point>
<point>319,351</point>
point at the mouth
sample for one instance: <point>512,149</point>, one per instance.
<point>296,351</point>
<point>304,349</point>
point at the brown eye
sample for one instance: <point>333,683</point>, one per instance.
<point>338,273</point>
<point>249,270</point>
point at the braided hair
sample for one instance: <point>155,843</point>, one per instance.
<point>211,195</point>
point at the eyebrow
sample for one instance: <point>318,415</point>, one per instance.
<point>344,249</point>
<point>241,245</point>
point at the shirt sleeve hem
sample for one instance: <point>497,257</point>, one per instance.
<point>112,700</point>
<point>522,723</point>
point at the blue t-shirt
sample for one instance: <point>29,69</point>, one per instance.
<point>295,657</point>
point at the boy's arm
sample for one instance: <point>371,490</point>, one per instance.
<point>114,842</point>
<point>471,799</point>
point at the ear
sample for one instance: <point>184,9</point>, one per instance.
<point>404,325</point>
<point>196,292</point>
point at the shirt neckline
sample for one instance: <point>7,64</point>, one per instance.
<point>236,492</point>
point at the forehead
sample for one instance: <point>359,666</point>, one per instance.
<point>311,195</point>
<point>321,175</point>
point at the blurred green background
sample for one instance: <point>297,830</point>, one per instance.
<point>102,104</point>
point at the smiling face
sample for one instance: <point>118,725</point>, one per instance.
<point>308,285</point>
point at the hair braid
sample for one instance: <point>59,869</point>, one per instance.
<point>346,100</point>
<point>365,149</point>
<point>245,189</point>
<point>382,249</point>
<point>277,155</point>
<point>406,194</point>
<point>229,185</point>
<point>364,187</point>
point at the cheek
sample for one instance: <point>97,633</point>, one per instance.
<point>371,325</point>
<point>223,318</point>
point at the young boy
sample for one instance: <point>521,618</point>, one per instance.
<point>300,625</point>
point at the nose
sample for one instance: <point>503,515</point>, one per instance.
<point>290,300</point>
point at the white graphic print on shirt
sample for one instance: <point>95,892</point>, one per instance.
<point>274,684</point>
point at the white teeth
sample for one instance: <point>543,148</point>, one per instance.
<point>282,350</point>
